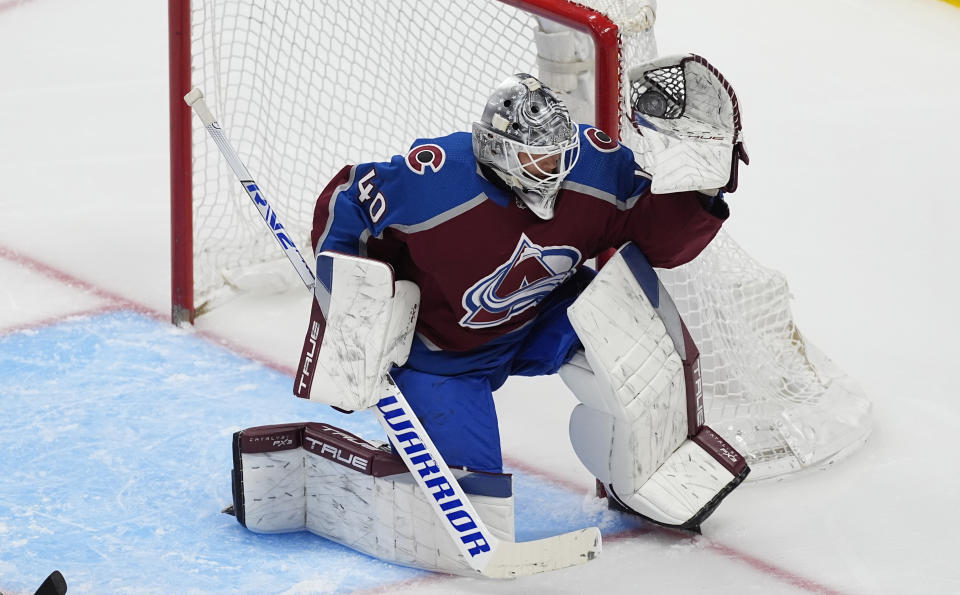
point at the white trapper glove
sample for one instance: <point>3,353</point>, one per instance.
<point>361,326</point>
<point>688,117</point>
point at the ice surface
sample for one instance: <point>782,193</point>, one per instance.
<point>851,117</point>
<point>117,439</point>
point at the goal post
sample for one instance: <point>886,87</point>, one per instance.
<point>305,87</point>
<point>181,165</point>
<point>607,68</point>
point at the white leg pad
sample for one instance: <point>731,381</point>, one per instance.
<point>273,482</point>
<point>684,485</point>
<point>389,517</point>
<point>336,485</point>
<point>633,373</point>
<point>639,427</point>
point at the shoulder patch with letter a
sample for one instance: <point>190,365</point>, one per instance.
<point>527,277</point>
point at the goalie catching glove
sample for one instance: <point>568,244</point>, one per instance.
<point>361,325</point>
<point>688,119</point>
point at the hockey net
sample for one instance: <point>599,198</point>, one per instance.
<point>303,88</point>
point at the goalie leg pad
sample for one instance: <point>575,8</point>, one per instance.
<point>639,428</point>
<point>322,479</point>
<point>682,492</point>
<point>689,485</point>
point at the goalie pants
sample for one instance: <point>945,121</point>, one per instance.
<point>452,392</point>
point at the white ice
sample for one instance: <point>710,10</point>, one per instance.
<point>852,115</point>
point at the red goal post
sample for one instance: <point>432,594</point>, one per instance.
<point>181,172</point>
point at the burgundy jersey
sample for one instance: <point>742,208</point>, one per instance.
<point>482,260</point>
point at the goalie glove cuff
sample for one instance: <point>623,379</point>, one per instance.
<point>715,205</point>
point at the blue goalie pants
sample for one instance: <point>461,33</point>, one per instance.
<point>452,392</point>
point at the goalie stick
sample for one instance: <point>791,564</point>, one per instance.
<point>488,555</point>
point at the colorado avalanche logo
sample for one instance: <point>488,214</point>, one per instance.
<point>526,278</point>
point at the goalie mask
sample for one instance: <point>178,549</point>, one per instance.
<point>527,137</point>
<point>689,120</point>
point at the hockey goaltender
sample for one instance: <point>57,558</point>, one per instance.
<point>445,270</point>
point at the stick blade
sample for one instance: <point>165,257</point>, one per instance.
<point>513,559</point>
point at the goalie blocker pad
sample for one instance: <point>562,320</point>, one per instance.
<point>639,428</point>
<point>362,323</point>
<point>320,478</point>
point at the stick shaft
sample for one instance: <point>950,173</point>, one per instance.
<point>195,100</point>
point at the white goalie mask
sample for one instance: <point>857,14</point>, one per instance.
<point>527,137</point>
<point>689,119</point>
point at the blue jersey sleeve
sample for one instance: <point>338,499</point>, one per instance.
<point>435,177</point>
<point>608,168</point>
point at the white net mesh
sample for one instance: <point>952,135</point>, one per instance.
<point>303,88</point>
<point>767,391</point>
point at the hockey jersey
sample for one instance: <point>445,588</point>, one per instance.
<point>483,261</point>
